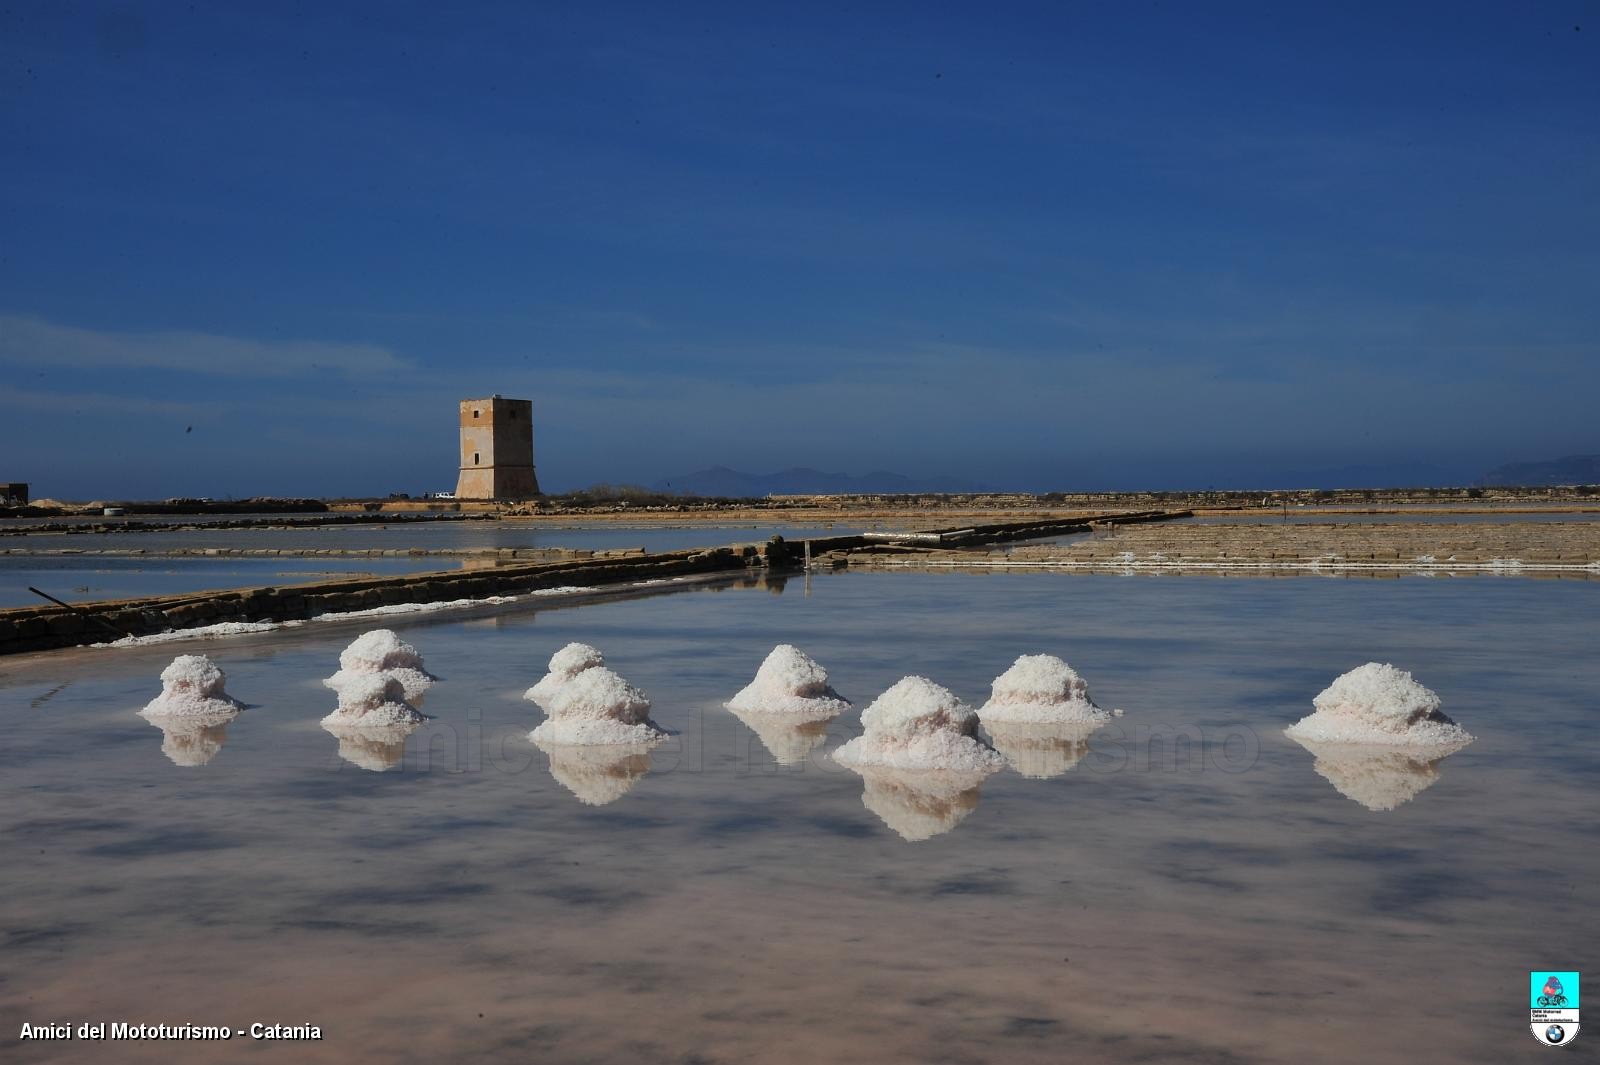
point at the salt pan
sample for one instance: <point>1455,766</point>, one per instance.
<point>1039,689</point>
<point>917,724</point>
<point>381,652</point>
<point>789,682</point>
<point>1377,703</point>
<point>192,686</point>
<point>597,707</point>
<point>565,664</point>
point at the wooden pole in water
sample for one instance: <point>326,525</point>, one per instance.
<point>81,613</point>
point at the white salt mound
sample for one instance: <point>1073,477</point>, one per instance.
<point>1377,703</point>
<point>789,682</point>
<point>192,686</point>
<point>565,664</point>
<point>1041,688</point>
<point>381,652</point>
<point>599,775</point>
<point>372,700</point>
<point>597,707</point>
<point>917,724</point>
<point>919,804</point>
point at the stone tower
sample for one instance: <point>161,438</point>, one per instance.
<point>497,449</point>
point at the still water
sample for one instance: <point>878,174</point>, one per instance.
<point>1151,902</point>
<point>84,577</point>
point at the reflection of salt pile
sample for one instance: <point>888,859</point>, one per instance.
<point>917,724</point>
<point>372,701</point>
<point>597,706</point>
<point>789,682</point>
<point>565,664</point>
<point>1380,704</point>
<point>382,653</point>
<point>789,736</point>
<point>1041,749</point>
<point>378,745</point>
<point>193,739</point>
<point>919,803</point>
<point>598,775</point>
<point>192,686</point>
<point>1041,688</point>
<point>1378,776</point>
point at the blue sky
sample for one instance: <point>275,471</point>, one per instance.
<point>265,248</point>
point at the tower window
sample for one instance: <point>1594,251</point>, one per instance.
<point>513,412</point>
<point>474,414</point>
<point>475,458</point>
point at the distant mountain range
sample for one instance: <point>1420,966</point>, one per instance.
<point>721,481</point>
<point>1573,469</point>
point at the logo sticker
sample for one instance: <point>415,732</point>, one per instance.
<point>1553,1006</point>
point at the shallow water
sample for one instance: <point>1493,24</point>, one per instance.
<point>80,578</point>
<point>1225,906</point>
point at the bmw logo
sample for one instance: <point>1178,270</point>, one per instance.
<point>1554,1034</point>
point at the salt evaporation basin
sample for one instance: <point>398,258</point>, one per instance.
<point>1377,703</point>
<point>790,681</point>
<point>372,701</point>
<point>598,775</point>
<point>565,664</point>
<point>918,804</point>
<point>1041,749</point>
<point>918,724</point>
<point>1040,689</point>
<point>381,652</point>
<point>192,686</point>
<point>597,707</point>
<point>1376,775</point>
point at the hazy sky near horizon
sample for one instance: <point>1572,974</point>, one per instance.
<point>265,248</point>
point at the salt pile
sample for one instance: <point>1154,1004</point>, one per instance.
<point>382,653</point>
<point>372,701</point>
<point>192,686</point>
<point>1041,750</point>
<point>1377,703</point>
<point>919,804</point>
<point>1041,689</point>
<point>1378,776</point>
<point>790,737</point>
<point>565,664</point>
<point>597,706</point>
<point>789,682</point>
<point>598,775</point>
<point>376,746</point>
<point>193,739</point>
<point>917,724</point>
